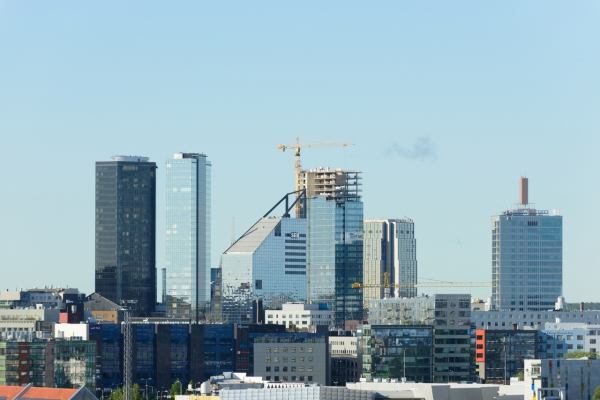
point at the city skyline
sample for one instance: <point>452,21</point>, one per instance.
<point>444,121</point>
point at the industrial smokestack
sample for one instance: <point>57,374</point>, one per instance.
<point>524,191</point>
<point>582,306</point>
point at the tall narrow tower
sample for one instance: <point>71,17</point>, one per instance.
<point>126,231</point>
<point>188,236</point>
<point>526,256</point>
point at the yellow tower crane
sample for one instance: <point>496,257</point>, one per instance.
<point>298,165</point>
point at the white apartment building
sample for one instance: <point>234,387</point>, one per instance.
<point>299,315</point>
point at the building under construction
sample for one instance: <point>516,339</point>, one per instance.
<point>334,213</point>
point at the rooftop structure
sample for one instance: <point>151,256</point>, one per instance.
<point>299,315</point>
<point>333,183</point>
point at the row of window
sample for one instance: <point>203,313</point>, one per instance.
<point>292,378</point>
<point>285,350</point>
<point>292,369</point>
<point>285,359</point>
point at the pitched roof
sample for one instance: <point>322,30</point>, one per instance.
<point>254,237</point>
<point>10,392</point>
<point>34,393</point>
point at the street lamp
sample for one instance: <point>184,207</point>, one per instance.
<point>404,367</point>
<point>147,379</point>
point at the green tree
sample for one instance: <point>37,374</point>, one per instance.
<point>135,393</point>
<point>116,394</point>
<point>596,394</point>
<point>581,353</point>
<point>175,389</point>
<point>520,375</point>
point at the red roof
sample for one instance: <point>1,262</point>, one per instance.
<point>10,392</point>
<point>49,393</point>
<point>29,392</point>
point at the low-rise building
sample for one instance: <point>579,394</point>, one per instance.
<point>449,314</point>
<point>21,321</point>
<point>102,309</point>
<point>500,355</point>
<point>29,392</point>
<point>292,357</point>
<point>574,378</point>
<point>299,315</point>
<point>499,320</point>
<point>559,338</point>
<point>344,362</point>
<point>396,352</point>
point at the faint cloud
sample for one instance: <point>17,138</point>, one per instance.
<point>457,241</point>
<point>423,148</point>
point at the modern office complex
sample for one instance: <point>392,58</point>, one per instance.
<point>450,316</point>
<point>500,355</point>
<point>396,352</point>
<point>267,263</point>
<point>335,241</point>
<point>126,231</point>
<point>188,236</point>
<point>526,257</point>
<point>389,248</point>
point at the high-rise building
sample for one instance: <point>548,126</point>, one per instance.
<point>526,257</point>
<point>389,247</point>
<point>126,231</point>
<point>188,236</point>
<point>266,264</point>
<point>334,212</point>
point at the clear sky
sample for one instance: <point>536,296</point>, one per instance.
<point>448,104</point>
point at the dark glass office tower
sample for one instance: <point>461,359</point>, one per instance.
<point>126,231</point>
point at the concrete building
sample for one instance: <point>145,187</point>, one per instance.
<point>334,211</point>
<point>573,379</point>
<point>126,231</point>
<point>102,309</point>
<point>343,348</point>
<point>266,264</point>
<point>393,389</point>
<point>313,392</point>
<point>47,297</point>
<point>24,322</point>
<point>559,338</point>
<point>188,236</point>
<point>493,320</point>
<point>450,314</point>
<point>526,257</point>
<point>292,357</point>
<point>390,248</point>
<point>299,315</point>
<point>500,354</point>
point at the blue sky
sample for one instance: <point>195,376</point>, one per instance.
<point>448,104</point>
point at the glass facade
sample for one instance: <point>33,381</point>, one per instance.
<point>335,255</point>
<point>505,352</point>
<point>126,230</point>
<point>219,353</point>
<point>188,235</point>
<point>75,364</point>
<point>396,352</point>
<point>526,260</point>
<point>450,314</point>
<point>268,262</point>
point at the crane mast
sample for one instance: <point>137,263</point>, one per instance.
<point>298,163</point>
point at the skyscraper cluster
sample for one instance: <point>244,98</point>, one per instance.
<point>318,250</point>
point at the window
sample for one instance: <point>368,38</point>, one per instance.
<point>301,359</point>
<point>293,369</point>
<point>592,341</point>
<point>310,349</point>
<point>276,350</point>
<point>275,359</point>
<point>310,378</point>
<point>579,337</point>
<point>579,347</point>
<point>310,359</point>
<point>276,369</point>
<point>309,369</point>
<point>268,369</point>
<point>267,359</point>
<point>267,349</point>
<point>285,369</point>
<point>301,369</point>
<point>569,337</point>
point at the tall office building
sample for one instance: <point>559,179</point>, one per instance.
<point>526,257</point>
<point>126,231</point>
<point>335,241</point>
<point>188,236</point>
<point>268,262</point>
<point>389,247</point>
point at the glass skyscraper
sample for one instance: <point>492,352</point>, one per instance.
<point>188,235</point>
<point>335,242</point>
<point>526,257</point>
<point>268,262</point>
<point>126,231</point>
